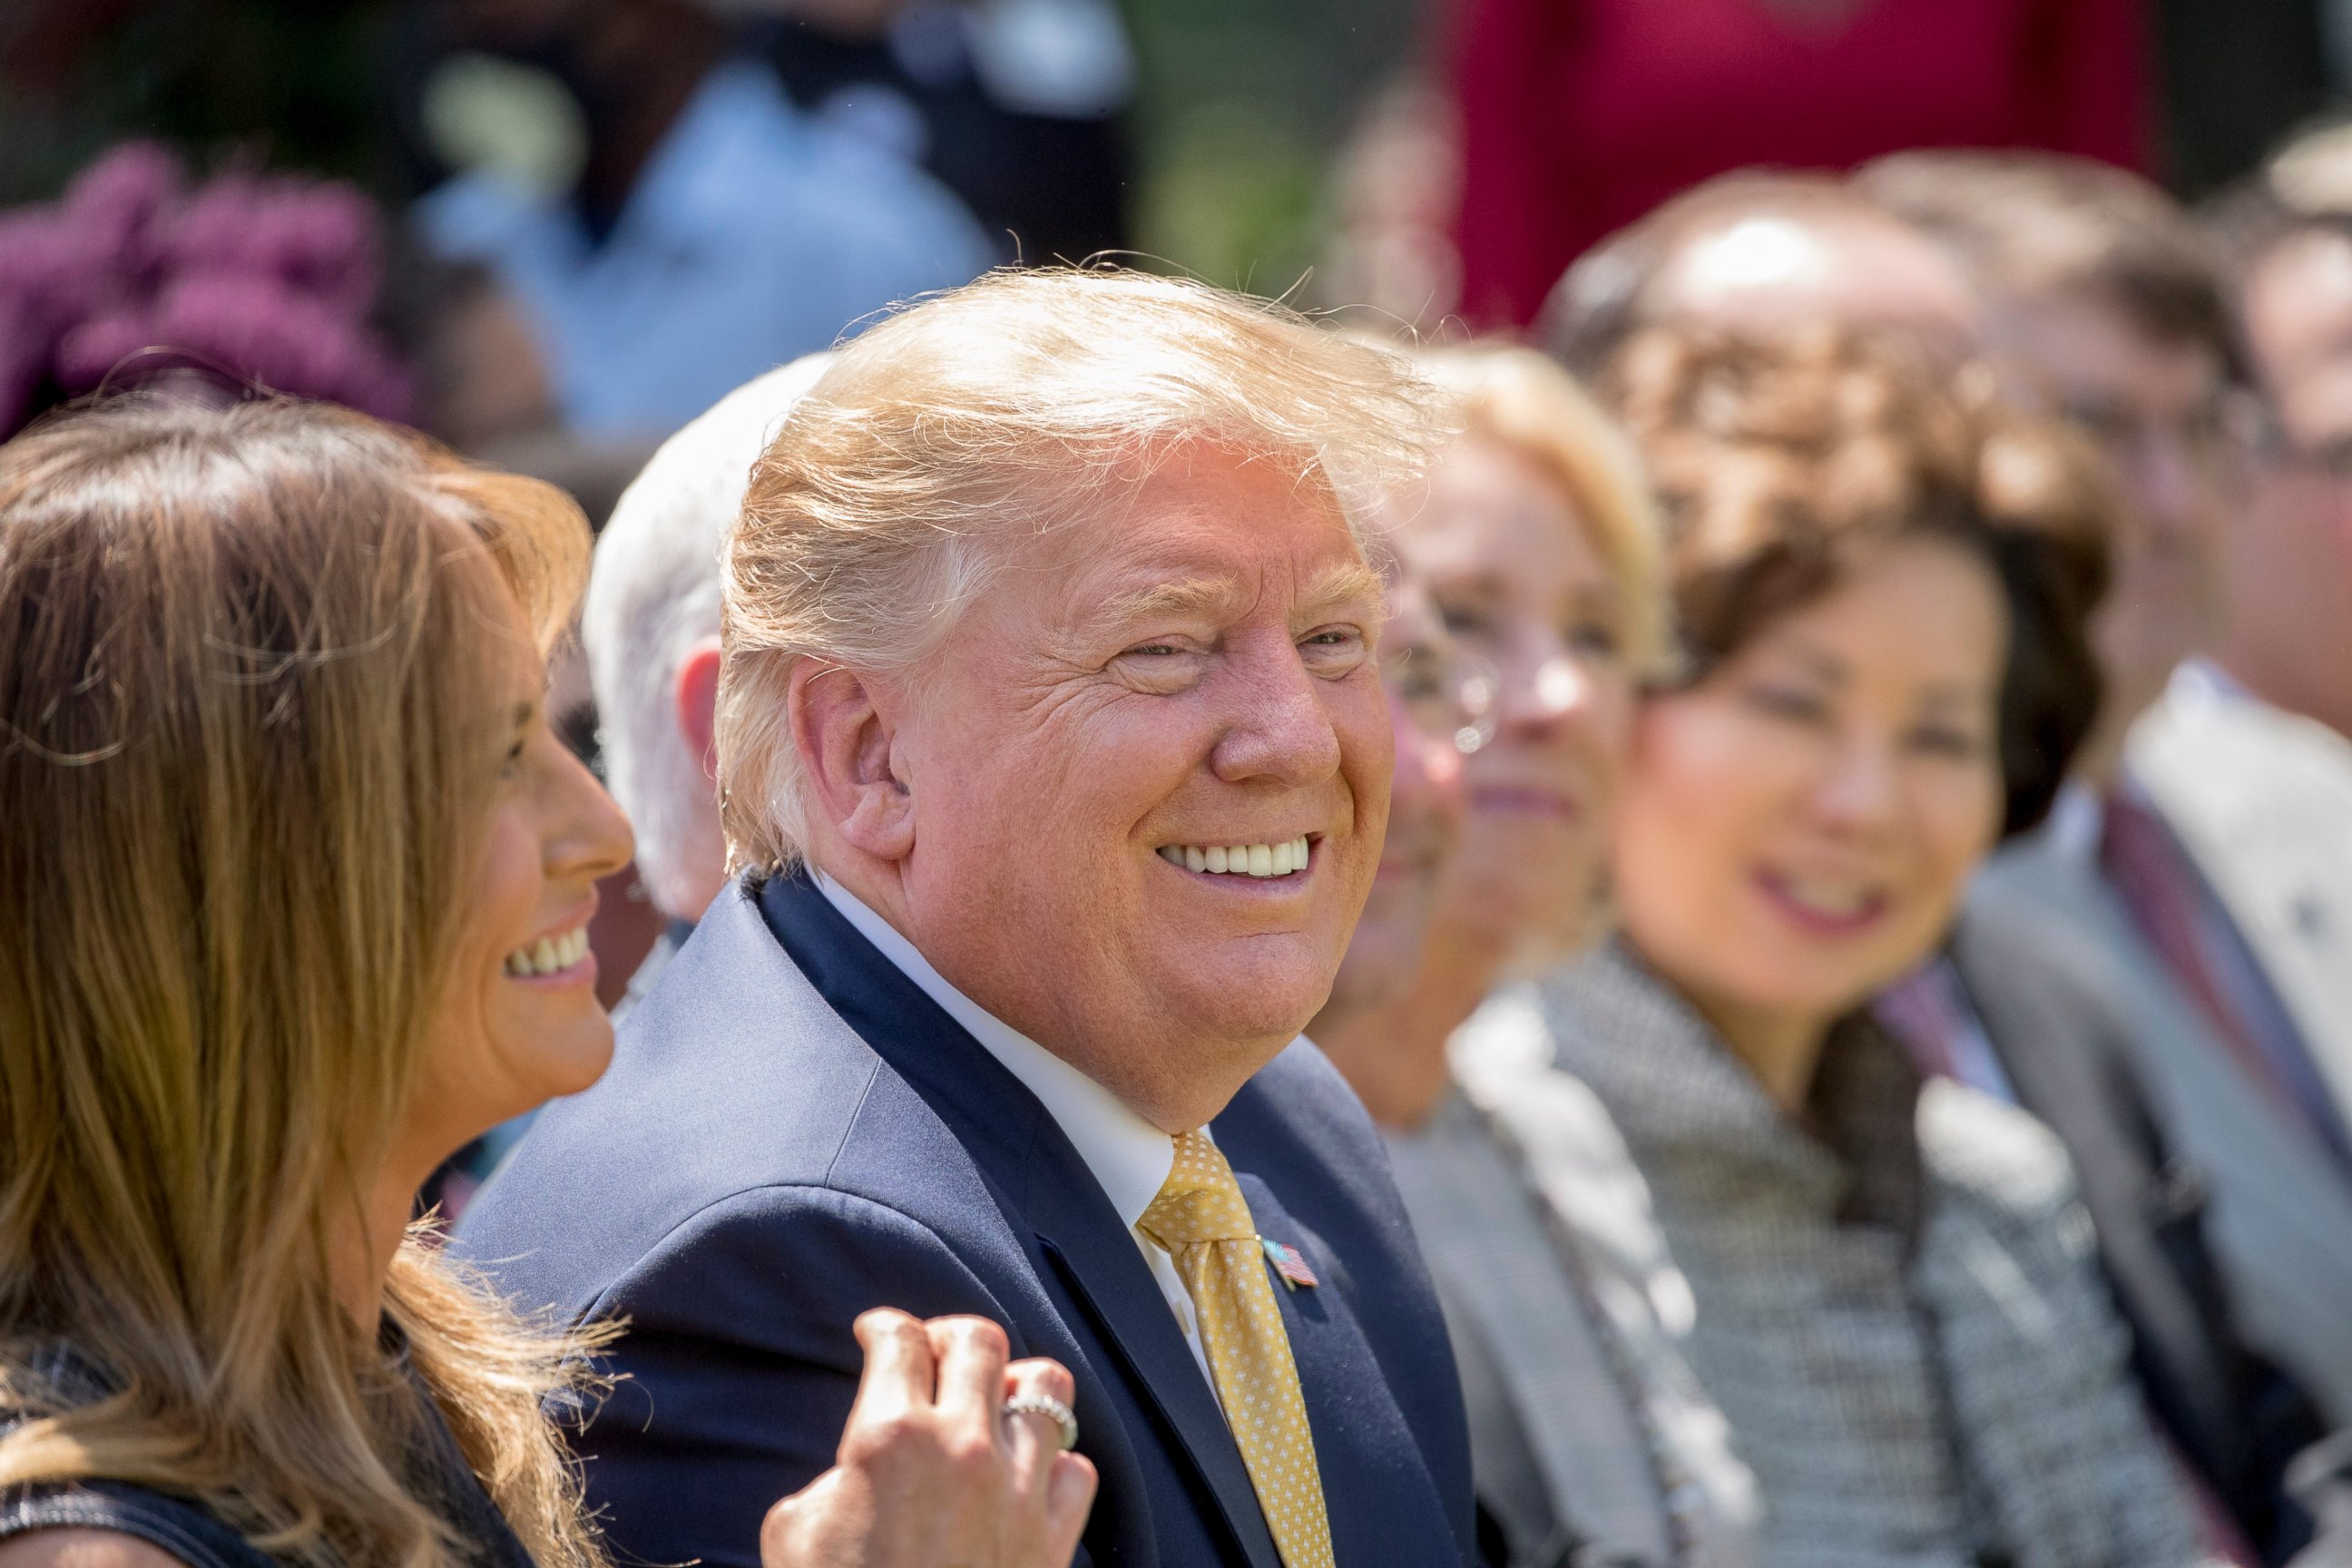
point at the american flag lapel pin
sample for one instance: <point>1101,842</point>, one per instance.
<point>1290,1263</point>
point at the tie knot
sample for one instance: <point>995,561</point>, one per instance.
<point>1199,1202</point>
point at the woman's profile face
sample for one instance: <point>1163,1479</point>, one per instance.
<point>1799,827</point>
<point>523,1025</point>
<point>1518,580</point>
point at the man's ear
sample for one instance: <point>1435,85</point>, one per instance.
<point>696,698</point>
<point>846,740</point>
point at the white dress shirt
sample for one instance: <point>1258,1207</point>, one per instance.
<point>1130,1157</point>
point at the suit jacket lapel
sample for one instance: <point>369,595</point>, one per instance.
<point>1118,1292</point>
<point>1026,1157</point>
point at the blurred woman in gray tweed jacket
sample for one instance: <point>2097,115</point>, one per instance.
<point>1880,589</point>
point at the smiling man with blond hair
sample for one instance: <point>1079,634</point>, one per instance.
<point>1055,767</point>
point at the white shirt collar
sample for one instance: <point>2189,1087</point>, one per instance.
<point>1130,1157</point>
<point>2077,818</point>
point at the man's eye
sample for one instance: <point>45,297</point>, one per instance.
<point>514,763</point>
<point>1157,649</point>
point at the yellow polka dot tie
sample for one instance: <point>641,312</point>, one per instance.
<point>1201,1218</point>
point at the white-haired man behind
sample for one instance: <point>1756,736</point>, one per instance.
<point>650,626</point>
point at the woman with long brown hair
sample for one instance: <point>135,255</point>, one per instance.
<point>294,879</point>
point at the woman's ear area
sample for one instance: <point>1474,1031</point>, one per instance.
<point>847,732</point>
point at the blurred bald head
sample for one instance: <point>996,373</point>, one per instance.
<point>1755,252</point>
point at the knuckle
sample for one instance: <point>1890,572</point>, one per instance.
<point>888,1323</point>
<point>973,1458</point>
<point>1051,1378</point>
<point>885,1438</point>
<point>976,1333</point>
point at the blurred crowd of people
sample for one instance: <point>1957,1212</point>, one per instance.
<point>1841,1002</point>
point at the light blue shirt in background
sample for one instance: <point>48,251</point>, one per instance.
<point>755,235</point>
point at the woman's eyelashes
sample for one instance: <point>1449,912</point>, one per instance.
<point>1940,738</point>
<point>1955,742</point>
<point>1594,640</point>
<point>1792,703</point>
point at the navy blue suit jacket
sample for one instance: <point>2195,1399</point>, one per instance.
<point>791,1132</point>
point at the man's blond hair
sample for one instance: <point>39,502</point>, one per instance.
<point>1021,402</point>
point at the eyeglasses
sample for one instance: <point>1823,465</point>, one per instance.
<point>2328,458</point>
<point>2124,431</point>
<point>1445,694</point>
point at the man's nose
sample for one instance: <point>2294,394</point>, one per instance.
<point>1280,726</point>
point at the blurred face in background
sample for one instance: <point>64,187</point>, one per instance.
<point>1799,824</point>
<point>2290,559</point>
<point>1765,271</point>
<point>1431,699</point>
<point>2154,408</point>
<point>1519,584</point>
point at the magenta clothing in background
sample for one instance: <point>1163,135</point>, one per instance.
<point>1581,115</point>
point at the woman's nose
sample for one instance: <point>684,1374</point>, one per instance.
<point>591,837</point>
<point>1548,687</point>
<point>1859,790</point>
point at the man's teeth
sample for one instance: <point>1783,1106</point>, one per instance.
<point>1240,859</point>
<point>550,954</point>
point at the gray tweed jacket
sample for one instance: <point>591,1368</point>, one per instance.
<point>1898,1307</point>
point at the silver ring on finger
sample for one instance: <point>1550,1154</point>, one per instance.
<point>1064,1419</point>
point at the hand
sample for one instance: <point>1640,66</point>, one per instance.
<point>930,1473</point>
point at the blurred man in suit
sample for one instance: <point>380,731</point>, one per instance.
<point>2078,967</point>
<point>1052,746</point>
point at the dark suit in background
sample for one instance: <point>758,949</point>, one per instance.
<point>2046,996</point>
<point>791,1132</point>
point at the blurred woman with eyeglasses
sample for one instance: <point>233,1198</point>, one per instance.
<point>1527,606</point>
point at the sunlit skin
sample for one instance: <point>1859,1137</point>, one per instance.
<point>1799,827</point>
<point>1517,580</point>
<point>506,1043</point>
<point>2153,406</point>
<point>2290,557</point>
<point>1425,813</point>
<point>1197,669</point>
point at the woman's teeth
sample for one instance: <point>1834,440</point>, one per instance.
<point>1240,859</point>
<point>1822,899</point>
<point>550,954</point>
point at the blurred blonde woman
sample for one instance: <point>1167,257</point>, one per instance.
<point>1536,543</point>
<point>294,879</point>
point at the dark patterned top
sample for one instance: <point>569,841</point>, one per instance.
<point>184,1527</point>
